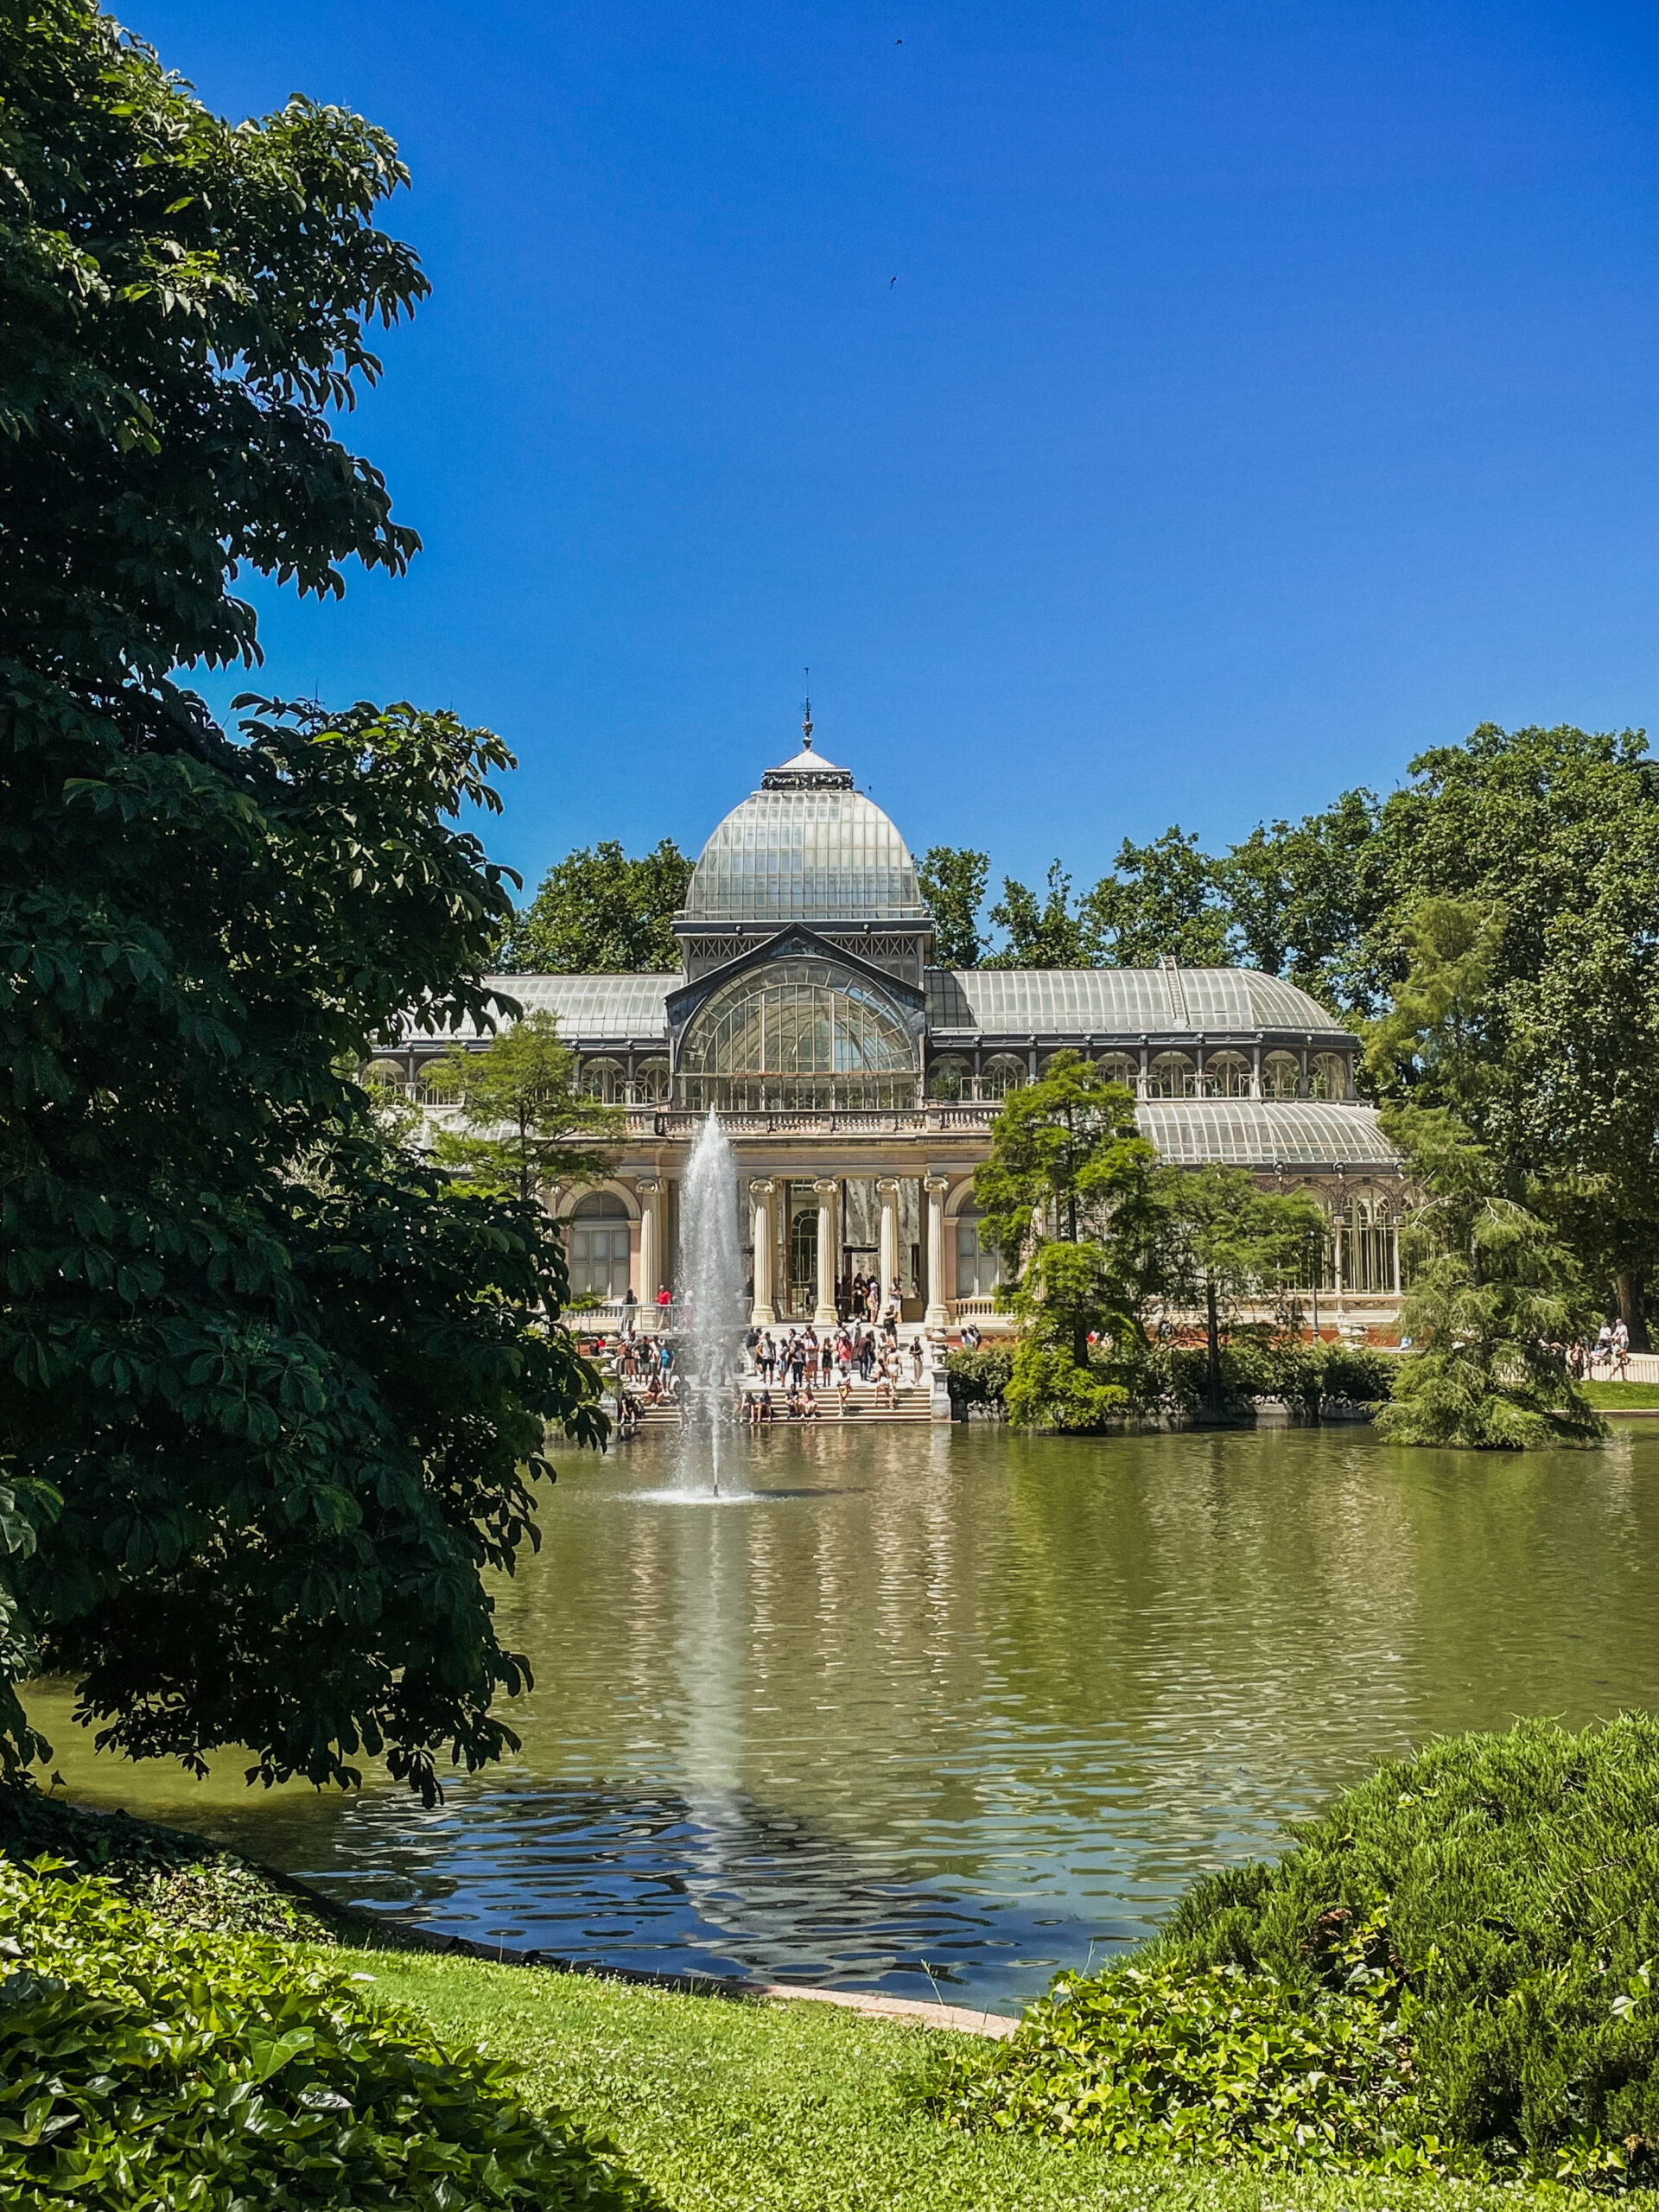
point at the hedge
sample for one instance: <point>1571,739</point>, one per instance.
<point>1452,1968</point>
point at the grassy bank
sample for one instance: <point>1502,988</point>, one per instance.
<point>1623,1397</point>
<point>798,2107</point>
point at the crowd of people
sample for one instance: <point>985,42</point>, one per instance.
<point>797,1369</point>
<point>803,1358</point>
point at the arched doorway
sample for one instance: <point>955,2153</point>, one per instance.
<point>804,1259</point>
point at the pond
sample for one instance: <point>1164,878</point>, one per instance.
<point>951,1708</point>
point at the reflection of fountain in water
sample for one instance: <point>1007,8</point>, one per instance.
<point>711,1286</point>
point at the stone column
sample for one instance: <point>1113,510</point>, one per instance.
<point>823,1315</point>
<point>761,1314</point>
<point>651,1250</point>
<point>937,1315</point>
<point>887,1191</point>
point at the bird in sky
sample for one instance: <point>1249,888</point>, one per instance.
<point>891,281</point>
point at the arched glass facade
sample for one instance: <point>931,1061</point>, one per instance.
<point>800,1035</point>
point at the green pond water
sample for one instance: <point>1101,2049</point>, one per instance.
<point>953,1707</point>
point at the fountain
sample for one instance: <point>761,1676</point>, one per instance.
<point>711,1288</point>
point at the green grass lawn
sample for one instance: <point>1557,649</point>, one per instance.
<point>801,2107</point>
<point>1612,1397</point>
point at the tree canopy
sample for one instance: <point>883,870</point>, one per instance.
<point>1042,931</point>
<point>525,1123</point>
<point>1066,1196</point>
<point>275,1390</point>
<point>952,881</point>
<point>1226,1244</point>
<point>600,913</point>
<point>1160,902</point>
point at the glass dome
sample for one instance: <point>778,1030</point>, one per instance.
<point>797,1033</point>
<point>806,847</point>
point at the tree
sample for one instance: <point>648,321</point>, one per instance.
<point>953,883</point>
<point>1160,902</point>
<point>1557,832</point>
<point>599,912</point>
<point>1046,933</point>
<point>521,1109</point>
<point>1300,901</point>
<point>1067,1197</point>
<point>1228,1244</point>
<point>1496,1295</point>
<point>275,1393</point>
<point>1493,1303</point>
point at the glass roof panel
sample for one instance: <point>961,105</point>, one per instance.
<point>1264,1133</point>
<point>1122,1002</point>
<point>588,1006</point>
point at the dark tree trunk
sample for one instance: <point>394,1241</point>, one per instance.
<point>1628,1285</point>
<point>1213,1382</point>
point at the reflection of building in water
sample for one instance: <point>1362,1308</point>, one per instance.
<point>859,1082</point>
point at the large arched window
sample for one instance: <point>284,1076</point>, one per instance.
<point>605,1080</point>
<point>1281,1076</point>
<point>1000,1074</point>
<point>598,1246</point>
<point>797,1033</point>
<point>1172,1075</point>
<point>1122,1067</point>
<point>1330,1075</point>
<point>1226,1075</point>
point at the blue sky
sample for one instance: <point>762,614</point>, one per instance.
<point>1267,392</point>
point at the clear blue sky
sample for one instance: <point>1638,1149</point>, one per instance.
<point>1267,391</point>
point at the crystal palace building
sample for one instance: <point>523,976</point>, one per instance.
<point>859,1082</point>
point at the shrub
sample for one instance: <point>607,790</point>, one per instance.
<point>1173,1378</point>
<point>1457,1959</point>
<point>173,1875</point>
<point>1045,1391</point>
<point>148,2066</point>
<point>1169,2061</point>
<point>978,1379</point>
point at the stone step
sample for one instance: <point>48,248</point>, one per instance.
<point>913,1401</point>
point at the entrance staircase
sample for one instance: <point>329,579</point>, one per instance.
<point>912,1402</point>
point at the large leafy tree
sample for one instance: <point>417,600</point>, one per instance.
<point>1298,901</point>
<point>1068,1196</point>
<point>1040,931</point>
<point>1160,902</point>
<point>1496,1295</point>
<point>1552,835</point>
<point>1228,1244</point>
<point>273,1390</point>
<point>600,913</point>
<point>524,1122</point>
<point>953,883</point>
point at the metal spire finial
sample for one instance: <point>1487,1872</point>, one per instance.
<point>806,719</point>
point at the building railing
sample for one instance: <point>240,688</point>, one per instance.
<point>788,1121</point>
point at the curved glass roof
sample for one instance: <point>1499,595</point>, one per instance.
<point>806,847</point>
<point>586,1006</point>
<point>1122,1002</point>
<point>1264,1133</point>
